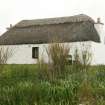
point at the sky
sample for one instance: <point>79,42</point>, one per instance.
<point>13,11</point>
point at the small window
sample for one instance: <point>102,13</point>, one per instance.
<point>35,52</point>
<point>69,59</point>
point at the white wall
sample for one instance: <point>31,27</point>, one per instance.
<point>22,54</point>
<point>100,29</point>
<point>98,50</point>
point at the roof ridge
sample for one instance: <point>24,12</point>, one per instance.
<point>57,17</point>
<point>56,20</point>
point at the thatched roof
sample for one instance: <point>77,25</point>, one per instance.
<point>68,29</point>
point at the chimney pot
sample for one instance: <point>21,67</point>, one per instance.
<point>10,25</point>
<point>8,28</point>
<point>98,20</point>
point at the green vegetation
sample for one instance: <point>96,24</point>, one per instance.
<point>55,83</point>
<point>29,85</point>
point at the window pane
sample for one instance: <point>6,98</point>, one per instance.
<point>35,52</point>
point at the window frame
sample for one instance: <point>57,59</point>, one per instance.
<point>70,59</point>
<point>35,52</point>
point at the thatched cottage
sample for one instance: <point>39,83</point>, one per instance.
<point>28,38</point>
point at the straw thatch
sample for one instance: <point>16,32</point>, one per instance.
<point>67,29</point>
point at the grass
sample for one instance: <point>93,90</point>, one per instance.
<point>23,85</point>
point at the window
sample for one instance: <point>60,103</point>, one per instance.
<point>69,59</point>
<point>35,52</point>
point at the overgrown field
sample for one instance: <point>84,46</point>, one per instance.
<point>32,85</point>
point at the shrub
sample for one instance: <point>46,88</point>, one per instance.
<point>83,56</point>
<point>58,53</point>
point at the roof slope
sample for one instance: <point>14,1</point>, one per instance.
<point>67,29</point>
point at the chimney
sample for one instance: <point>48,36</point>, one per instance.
<point>98,20</point>
<point>8,28</point>
<point>10,25</point>
<point>99,27</point>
